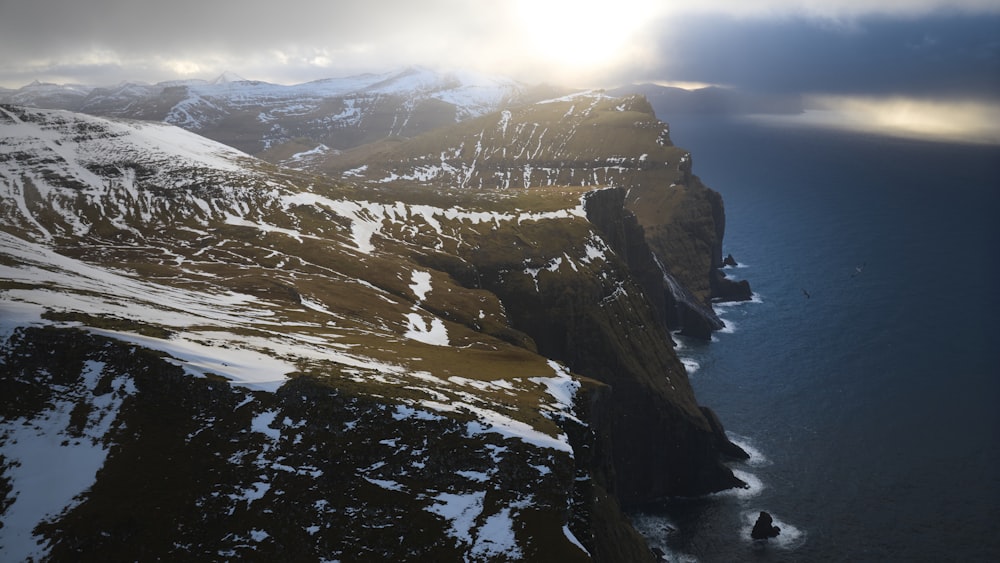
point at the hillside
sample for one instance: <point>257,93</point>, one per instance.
<point>234,360</point>
<point>328,115</point>
<point>587,139</point>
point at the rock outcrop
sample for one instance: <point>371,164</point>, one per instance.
<point>725,289</point>
<point>764,528</point>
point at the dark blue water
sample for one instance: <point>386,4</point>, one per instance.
<point>875,401</point>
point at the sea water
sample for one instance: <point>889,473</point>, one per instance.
<point>863,377</point>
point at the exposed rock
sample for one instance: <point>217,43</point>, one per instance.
<point>663,445</point>
<point>764,528</point>
<point>620,228</point>
<point>725,289</point>
<point>730,261</point>
<point>597,518</point>
<point>725,445</point>
<point>690,316</point>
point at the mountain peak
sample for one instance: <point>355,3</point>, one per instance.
<point>228,77</point>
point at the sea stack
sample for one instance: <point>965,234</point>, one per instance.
<point>764,528</point>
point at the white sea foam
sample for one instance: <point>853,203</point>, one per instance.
<point>754,486</point>
<point>657,529</point>
<point>789,536</point>
<point>757,459</point>
<point>681,346</point>
<point>690,365</point>
<point>754,298</point>
<point>723,308</point>
<point>736,267</point>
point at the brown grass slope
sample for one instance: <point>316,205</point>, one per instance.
<point>585,140</point>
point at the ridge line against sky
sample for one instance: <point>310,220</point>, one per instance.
<point>929,51</point>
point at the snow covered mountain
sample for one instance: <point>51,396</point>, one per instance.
<point>256,116</point>
<point>206,356</point>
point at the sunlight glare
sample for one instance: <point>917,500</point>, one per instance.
<point>582,33</point>
<point>184,67</point>
<point>943,120</point>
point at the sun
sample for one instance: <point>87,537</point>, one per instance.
<point>581,34</point>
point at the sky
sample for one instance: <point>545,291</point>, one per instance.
<point>843,55</point>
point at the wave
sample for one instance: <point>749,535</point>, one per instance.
<point>754,298</point>
<point>657,529</point>
<point>681,345</point>
<point>757,458</point>
<point>722,308</point>
<point>754,486</point>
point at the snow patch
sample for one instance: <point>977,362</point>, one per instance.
<point>49,468</point>
<point>461,510</point>
<point>562,388</point>
<point>262,424</point>
<point>572,538</point>
<point>421,285</point>
<point>495,538</point>
<point>418,329</point>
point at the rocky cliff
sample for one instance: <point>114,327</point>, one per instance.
<point>246,361</point>
<point>580,140</point>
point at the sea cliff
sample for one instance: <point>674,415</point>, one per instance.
<point>261,362</point>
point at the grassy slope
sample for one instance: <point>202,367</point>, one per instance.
<point>591,141</point>
<point>163,492</point>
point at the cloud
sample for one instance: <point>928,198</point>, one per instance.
<point>837,46</point>
<point>935,120</point>
<point>933,55</point>
<point>835,9</point>
<point>47,36</point>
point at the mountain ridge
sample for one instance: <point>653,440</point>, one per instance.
<point>585,139</point>
<point>253,115</point>
<point>418,318</point>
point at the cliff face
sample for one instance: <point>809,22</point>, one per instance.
<point>263,363</point>
<point>699,436</point>
<point>604,326</point>
<point>586,140</point>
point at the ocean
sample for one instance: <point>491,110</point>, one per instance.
<point>863,377</point>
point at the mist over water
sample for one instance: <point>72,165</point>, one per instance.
<point>873,402</point>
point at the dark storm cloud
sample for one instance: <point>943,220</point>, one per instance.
<point>933,56</point>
